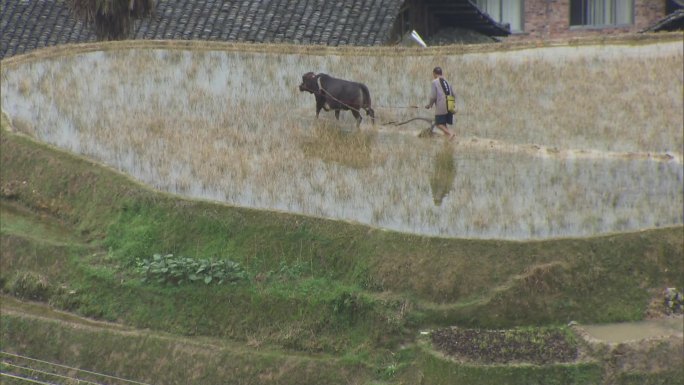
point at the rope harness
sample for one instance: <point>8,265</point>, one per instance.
<point>424,133</point>
<point>322,92</point>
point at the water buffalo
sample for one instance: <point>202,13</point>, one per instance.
<point>337,94</point>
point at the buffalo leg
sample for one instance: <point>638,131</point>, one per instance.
<point>371,113</point>
<point>319,107</point>
<point>357,115</point>
<point>337,114</point>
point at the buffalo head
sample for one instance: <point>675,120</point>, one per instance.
<point>309,83</point>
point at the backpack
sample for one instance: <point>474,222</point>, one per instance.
<point>450,98</point>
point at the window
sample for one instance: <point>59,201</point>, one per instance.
<point>601,12</point>
<point>504,12</point>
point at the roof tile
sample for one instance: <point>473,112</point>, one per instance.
<point>26,25</point>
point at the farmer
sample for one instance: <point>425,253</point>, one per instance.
<point>438,98</point>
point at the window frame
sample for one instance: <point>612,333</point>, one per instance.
<point>584,10</point>
<point>482,5</point>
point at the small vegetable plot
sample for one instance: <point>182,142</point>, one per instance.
<point>534,346</point>
<point>176,270</point>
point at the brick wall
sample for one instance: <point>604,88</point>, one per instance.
<point>549,19</point>
<point>647,12</point>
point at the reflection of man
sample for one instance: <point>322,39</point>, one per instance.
<point>443,175</point>
<point>438,99</point>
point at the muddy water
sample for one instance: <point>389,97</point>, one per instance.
<point>630,331</point>
<point>198,136</point>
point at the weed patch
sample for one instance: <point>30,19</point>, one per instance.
<point>30,285</point>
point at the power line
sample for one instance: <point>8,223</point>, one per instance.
<point>73,368</point>
<point>25,379</point>
<point>48,374</point>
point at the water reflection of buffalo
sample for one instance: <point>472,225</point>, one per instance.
<point>353,149</point>
<point>443,175</point>
<point>337,94</point>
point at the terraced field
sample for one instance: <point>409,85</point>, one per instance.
<point>369,256</point>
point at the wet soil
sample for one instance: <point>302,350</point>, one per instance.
<point>534,346</point>
<point>671,326</point>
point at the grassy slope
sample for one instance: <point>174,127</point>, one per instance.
<point>158,358</point>
<point>345,294</point>
<point>317,285</point>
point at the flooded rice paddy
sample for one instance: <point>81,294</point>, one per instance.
<point>633,331</point>
<point>230,127</point>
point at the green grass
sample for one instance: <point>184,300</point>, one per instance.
<point>158,359</point>
<point>675,377</point>
<point>327,301</point>
<point>440,372</point>
<point>315,285</point>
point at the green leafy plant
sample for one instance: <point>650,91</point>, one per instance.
<point>389,372</point>
<point>177,270</point>
<point>292,271</point>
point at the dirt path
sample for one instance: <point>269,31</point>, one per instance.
<point>542,151</point>
<point>559,153</point>
<point>40,311</point>
<point>13,306</point>
<point>530,149</point>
